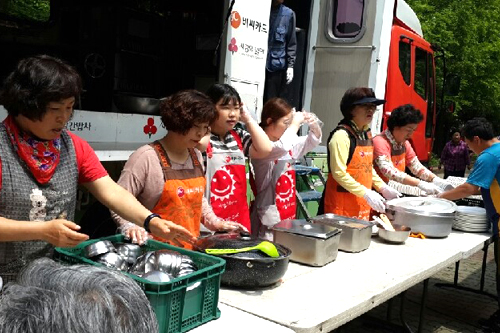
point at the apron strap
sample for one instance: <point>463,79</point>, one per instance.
<point>162,157</point>
<point>237,139</point>
<point>196,162</point>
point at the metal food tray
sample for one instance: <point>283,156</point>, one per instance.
<point>352,239</point>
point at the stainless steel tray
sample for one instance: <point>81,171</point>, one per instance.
<point>356,234</point>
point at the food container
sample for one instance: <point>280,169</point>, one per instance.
<point>432,217</point>
<point>398,236</point>
<point>356,234</point>
<point>311,244</point>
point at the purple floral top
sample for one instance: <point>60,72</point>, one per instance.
<point>455,157</point>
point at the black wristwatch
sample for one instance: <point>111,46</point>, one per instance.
<point>148,219</point>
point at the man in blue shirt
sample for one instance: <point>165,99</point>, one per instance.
<point>484,179</point>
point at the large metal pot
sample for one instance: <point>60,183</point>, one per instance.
<point>252,269</point>
<point>432,217</point>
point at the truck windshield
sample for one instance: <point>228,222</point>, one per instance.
<point>26,10</point>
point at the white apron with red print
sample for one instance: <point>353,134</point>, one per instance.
<point>227,184</point>
<point>277,202</point>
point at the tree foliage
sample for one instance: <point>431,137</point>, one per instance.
<point>467,31</point>
<point>31,10</point>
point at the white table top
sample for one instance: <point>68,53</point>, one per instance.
<point>320,299</point>
<point>233,320</point>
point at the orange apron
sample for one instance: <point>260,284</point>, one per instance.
<point>182,195</point>
<point>337,199</point>
<point>398,158</point>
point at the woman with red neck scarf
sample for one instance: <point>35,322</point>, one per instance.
<point>42,164</point>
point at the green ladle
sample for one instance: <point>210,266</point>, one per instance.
<point>264,246</point>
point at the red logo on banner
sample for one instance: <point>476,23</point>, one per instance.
<point>233,47</point>
<point>180,192</point>
<point>150,128</point>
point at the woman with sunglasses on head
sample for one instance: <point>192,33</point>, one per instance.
<point>167,175</point>
<point>393,152</point>
<point>351,177</point>
<point>274,174</point>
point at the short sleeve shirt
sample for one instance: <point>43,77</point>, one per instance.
<point>486,175</point>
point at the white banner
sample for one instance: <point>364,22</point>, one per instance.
<point>246,50</point>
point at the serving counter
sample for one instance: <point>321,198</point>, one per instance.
<point>321,299</point>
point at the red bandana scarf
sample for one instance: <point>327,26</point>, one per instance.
<point>41,157</point>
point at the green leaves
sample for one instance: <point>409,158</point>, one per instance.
<point>467,30</point>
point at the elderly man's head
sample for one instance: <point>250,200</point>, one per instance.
<point>52,298</point>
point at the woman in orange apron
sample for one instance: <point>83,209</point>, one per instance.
<point>167,176</point>
<point>393,152</point>
<point>351,177</point>
<point>229,146</point>
<point>275,174</point>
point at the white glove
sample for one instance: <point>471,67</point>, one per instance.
<point>389,193</point>
<point>429,188</point>
<point>375,200</point>
<point>443,184</point>
<point>289,75</point>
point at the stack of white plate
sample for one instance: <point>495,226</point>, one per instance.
<point>471,219</point>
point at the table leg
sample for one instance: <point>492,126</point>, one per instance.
<point>422,306</point>
<point>483,273</point>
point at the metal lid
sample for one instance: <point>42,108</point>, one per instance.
<point>340,221</point>
<point>303,228</point>
<point>427,206</point>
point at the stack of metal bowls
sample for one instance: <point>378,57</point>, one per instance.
<point>155,266</point>
<point>104,252</point>
<point>168,262</point>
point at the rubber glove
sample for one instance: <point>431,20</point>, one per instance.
<point>443,184</point>
<point>389,193</point>
<point>138,235</point>
<point>375,200</point>
<point>429,188</point>
<point>289,75</point>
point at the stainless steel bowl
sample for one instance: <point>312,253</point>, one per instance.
<point>142,265</point>
<point>398,236</point>
<point>135,104</point>
<point>157,276</point>
<point>130,252</point>
<point>98,248</point>
<point>113,260</point>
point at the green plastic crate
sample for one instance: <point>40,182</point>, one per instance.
<point>177,309</point>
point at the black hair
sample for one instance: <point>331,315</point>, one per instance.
<point>479,127</point>
<point>35,83</point>
<point>404,115</point>
<point>352,95</point>
<point>225,92</point>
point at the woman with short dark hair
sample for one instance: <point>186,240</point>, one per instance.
<point>351,177</point>
<point>393,152</point>
<point>42,165</point>
<point>167,175</point>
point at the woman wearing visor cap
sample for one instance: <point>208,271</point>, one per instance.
<point>348,191</point>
